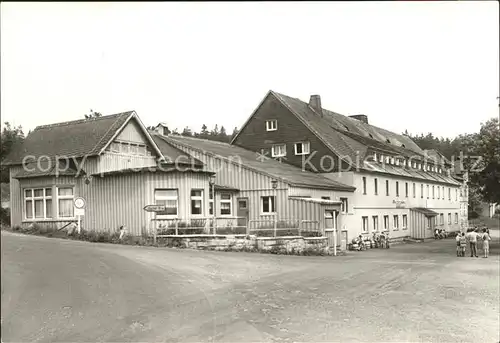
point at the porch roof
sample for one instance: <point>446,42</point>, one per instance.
<point>427,212</point>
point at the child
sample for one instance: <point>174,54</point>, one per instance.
<point>463,244</point>
<point>458,244</point>
<point>486,243</point>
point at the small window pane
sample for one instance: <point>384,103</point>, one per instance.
<point>196,193</point>
<point>166,193</point>
<point>27,193</point>
<point>196,207</point>
<point>48,208</point>
<point>225,196</point>
<point>66,208</point>
<point>48,192</point>
<point>29,209</point>
<point>242,204</point>
<point>38,208</point>
<point>38,192</point>
<point>65,191</point>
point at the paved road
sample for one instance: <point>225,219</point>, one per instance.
<point>67,291</point>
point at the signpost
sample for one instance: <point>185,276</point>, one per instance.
<point>79,208</point>
<point>155,209</point>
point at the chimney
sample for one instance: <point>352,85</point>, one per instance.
<point>360,117</point>
<point>315,104</point>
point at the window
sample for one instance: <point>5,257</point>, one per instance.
<point>386,222</point>
<point>414,190</point>
<point>422,190</point>
<point>405,221</point>
<point>225,204</point>
<point>427,191</point>
<point>38,203</point>
<point>429,222</point>
<point>169,199</point>
<point>364,185</point>
<point>406,189</point>
<point>396,222</point>
<point>375,184</point>
<point>210,201</point>
<point>443,193</point>
<point>325,198</point>
<point>271,125</point>
<point>456,194</point>
<point>196,202</point>
<point>65,202</point>
<point>387,187</point>
<point>456,218</point>
<point>449,193</point>
<point>375,223</point>
<point>397,189</point>
<point>115,147</point>
<point>345,206</point>
<point>365,224</point>
<point>433,192</point>
<point>302,148</point>
<point>278,150</point>
<point>268,204</point>
<point>439,192</point>
<point>449,218</point>
<point>441,219</point>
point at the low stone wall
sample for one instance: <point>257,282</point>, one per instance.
<point>288,245</point>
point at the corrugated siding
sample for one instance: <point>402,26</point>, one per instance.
<point>15,198</point>
<point>132,133</point>
<point>111,162</point>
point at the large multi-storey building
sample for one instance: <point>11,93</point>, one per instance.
<point>399,187</point>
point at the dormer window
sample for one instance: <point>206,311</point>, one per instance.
<point>387,159</point>
<point>370,135</point>
<point>397,162</point>
<point>388,141</point>
<point>302,148</point>
<point>271,125</point>
<point>392,160</point>
<point>403,146</point>
<point>381,158</point>
<point>375,156</point>
<point>345,126</point>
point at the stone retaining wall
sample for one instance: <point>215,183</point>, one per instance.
<point>289,245</point>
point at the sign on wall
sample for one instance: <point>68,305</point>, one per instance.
<point>399,203</point>
<point>79,204</point>
<point>155,208</point>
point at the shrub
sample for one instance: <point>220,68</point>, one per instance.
<point>4,216</point>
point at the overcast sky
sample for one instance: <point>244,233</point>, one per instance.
<point>421,66</point>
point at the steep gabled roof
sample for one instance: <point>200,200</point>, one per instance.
<point>78,138</point>
<point>256,162</point>
<point>173,154</point>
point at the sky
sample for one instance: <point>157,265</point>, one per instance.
<point>416,66</point>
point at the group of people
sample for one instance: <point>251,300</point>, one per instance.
<point>472,237</point>
<point>440,233</point>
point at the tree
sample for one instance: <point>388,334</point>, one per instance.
<point>175,132</point>
<point>235,132</point>
<point>204,132</point>
<point>187,132</point>
<point>483,160</point>
<point>93,115</point>
<point>215,131</point>
<point>222,135</point>
<point>10,137</point>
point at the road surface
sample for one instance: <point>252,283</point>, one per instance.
<point>67,291</point>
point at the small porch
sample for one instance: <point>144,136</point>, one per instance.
<point>422,222</point>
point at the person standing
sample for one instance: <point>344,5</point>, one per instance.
<point>458,244</point>
<point>486,242</point>
<point>472,238</point>
<point>463,244</point>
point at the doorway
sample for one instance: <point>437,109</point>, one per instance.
<point>242,212</point>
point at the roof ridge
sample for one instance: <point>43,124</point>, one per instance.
<point>80,121</point>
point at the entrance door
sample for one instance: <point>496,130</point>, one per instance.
<point>330,226</point>
<point>242,212</point>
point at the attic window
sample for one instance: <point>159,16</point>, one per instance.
<point>381,159</point>
<point>346,127</point>
<point>388,141</point>
<point>403,146</point>
<point>371,136</point>
<point>271,125</point>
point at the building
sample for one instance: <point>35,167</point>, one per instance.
<point>398,187</point>
<point>244,183</point>
<point>110,161</point>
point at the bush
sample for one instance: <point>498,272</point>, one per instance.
<point>4,216</point>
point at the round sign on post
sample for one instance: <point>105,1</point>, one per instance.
<point>80,203</point>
